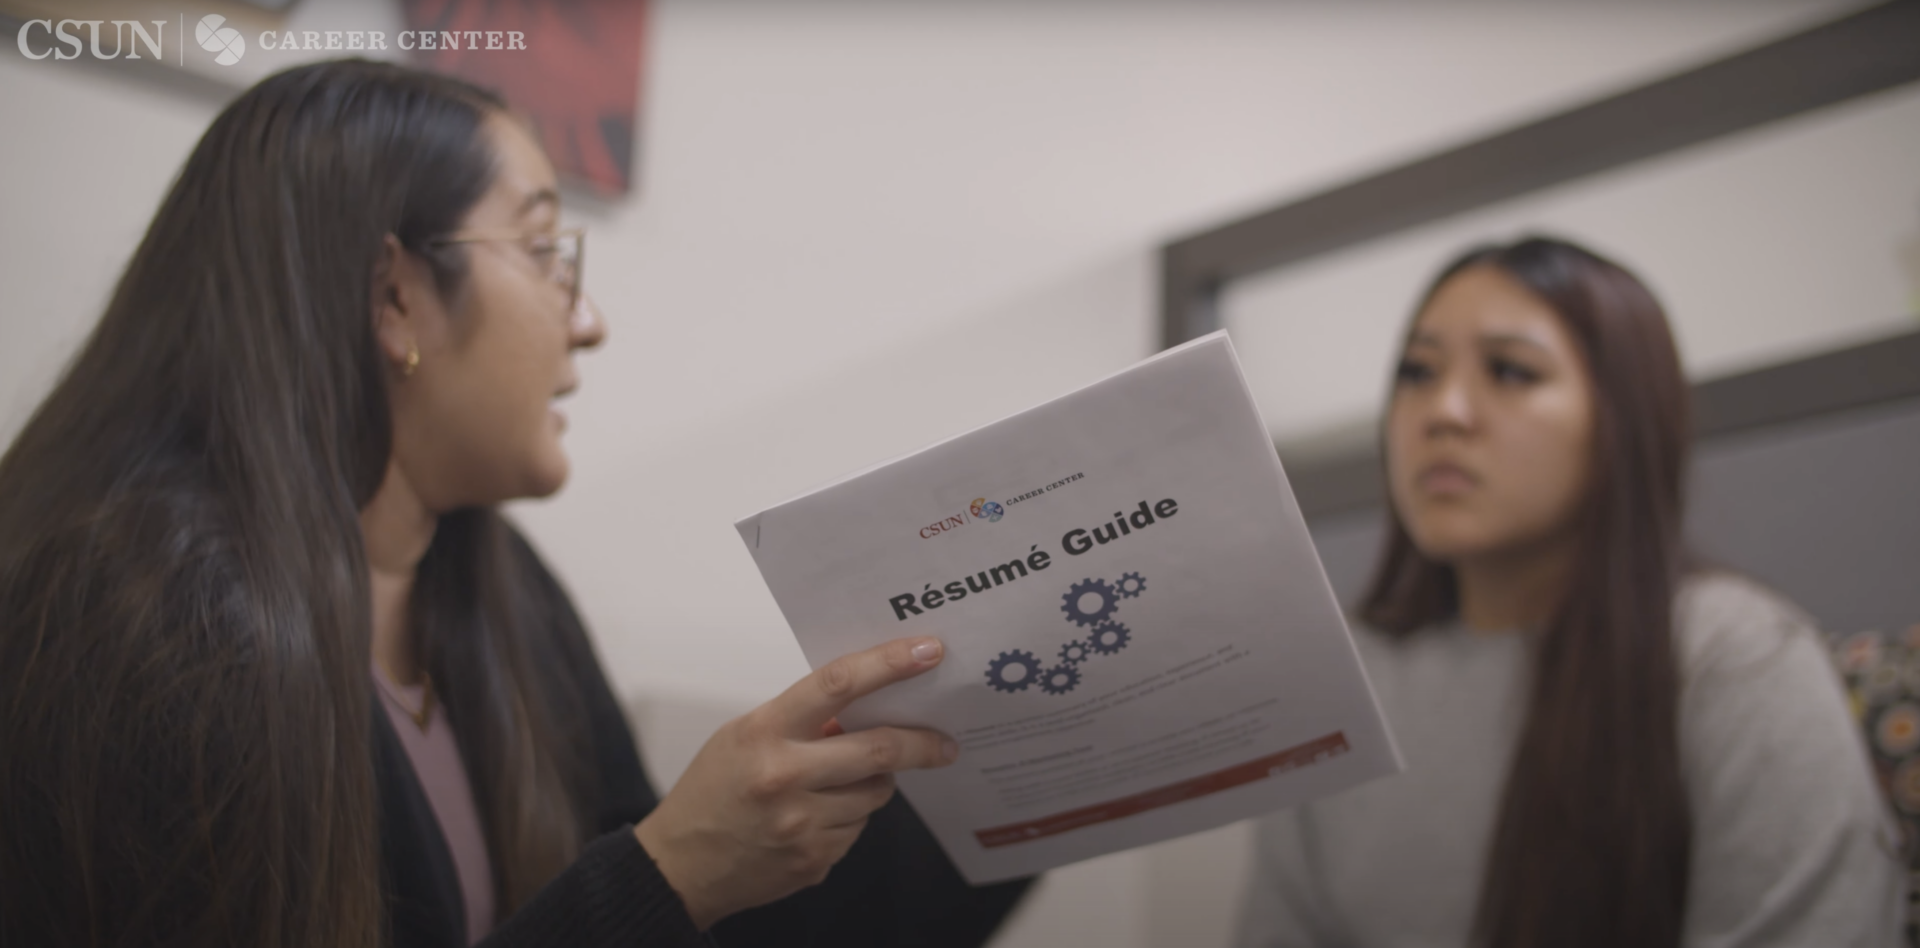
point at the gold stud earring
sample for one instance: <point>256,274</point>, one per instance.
<point>413,360</point>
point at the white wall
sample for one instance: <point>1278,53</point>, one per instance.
<point>861,227</point>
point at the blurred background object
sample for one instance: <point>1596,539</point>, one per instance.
<point>578,80</point>
<point>868,226</point>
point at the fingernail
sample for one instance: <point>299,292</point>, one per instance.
<point>950,749</point>
<point>927,652</point>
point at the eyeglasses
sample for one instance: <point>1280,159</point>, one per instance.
<point>559,255</point>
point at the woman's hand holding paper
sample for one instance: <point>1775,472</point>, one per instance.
<point>779,795</point>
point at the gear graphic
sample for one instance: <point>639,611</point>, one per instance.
<point>1108,638</point>
<point>997,670</point>
<point>1074,652</point>
<point>1109,601</point>
<point>1060,679</point>
<point>1131,585</point>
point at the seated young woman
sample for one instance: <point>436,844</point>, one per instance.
<point>1607,743</point>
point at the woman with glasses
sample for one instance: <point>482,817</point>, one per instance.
<point>273,669</point>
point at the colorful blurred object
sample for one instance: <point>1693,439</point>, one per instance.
<point>578,79</point>
<point>1882,675</point>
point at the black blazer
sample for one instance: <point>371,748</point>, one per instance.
<point>895,887</point>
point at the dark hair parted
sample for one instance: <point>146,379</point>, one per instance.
<point>1591,845</point>
<point>184,608</point>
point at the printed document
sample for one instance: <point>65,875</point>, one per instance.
<point>1140,640</point>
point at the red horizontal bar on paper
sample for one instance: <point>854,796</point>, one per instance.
<point>1292,758</point>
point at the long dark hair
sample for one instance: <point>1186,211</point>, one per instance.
<point>184,613</point>
<point>1591,847</point>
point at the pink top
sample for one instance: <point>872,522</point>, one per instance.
<point>443,775</point>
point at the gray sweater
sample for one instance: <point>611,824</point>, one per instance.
<point>1792,844</point>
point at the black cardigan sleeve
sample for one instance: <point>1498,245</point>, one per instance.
<point>612,895</point>
<point>895,887</point>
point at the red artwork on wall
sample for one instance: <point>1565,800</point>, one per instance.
<point>578,79</point>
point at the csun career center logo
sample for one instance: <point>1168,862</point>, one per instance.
<point>223,40</point>
<point>981,509</point>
